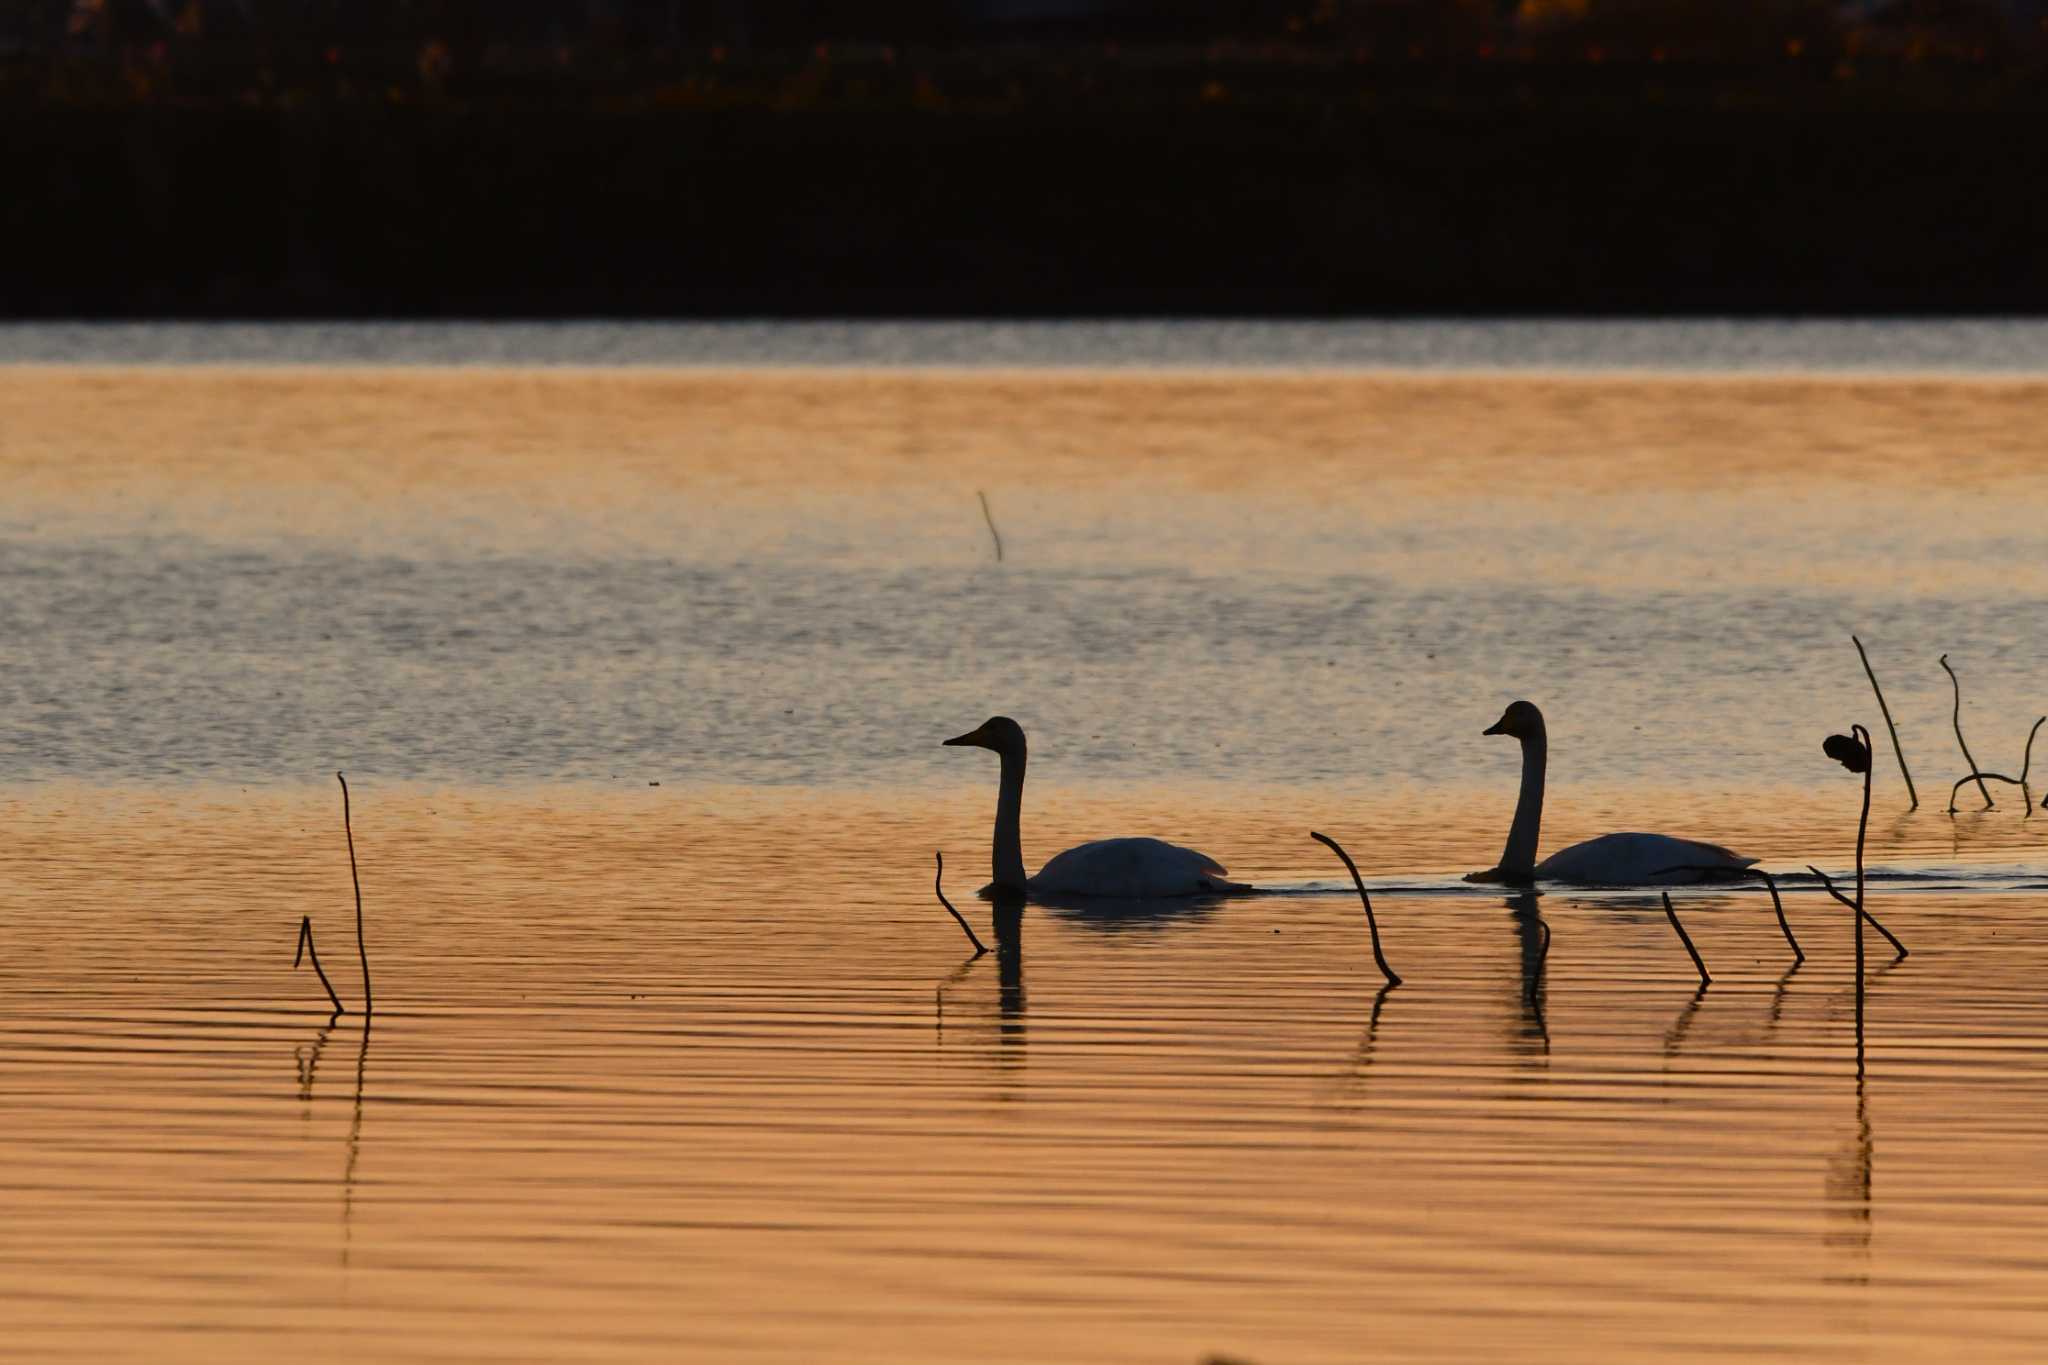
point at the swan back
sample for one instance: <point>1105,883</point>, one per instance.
<point>1642,860</point>
<point>1131,869</point>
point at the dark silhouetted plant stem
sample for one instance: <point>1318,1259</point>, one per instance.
<point>2026,767</point>
<point>306,949</point>
<point>1370,923</point>
<point>1956,683</point>
<point>362,949</point>
<point>1897,752</point>
<point>1784,927</point>
<point>1862,829</point>
<point>1686,939</point>
<point>1872,920</point>
<point>939,885</point>
<point>989,517</point>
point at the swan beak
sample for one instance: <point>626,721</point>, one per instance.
<point>1499,727</point>
<point>972,739</point>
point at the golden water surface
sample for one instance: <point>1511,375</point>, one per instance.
<point>639,678</point>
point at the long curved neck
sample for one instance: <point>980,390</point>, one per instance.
<point>1518,859</point>
<point>1007,859</point>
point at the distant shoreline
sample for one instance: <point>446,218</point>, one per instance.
<point>1850,349</point>
<point>1405,210</point>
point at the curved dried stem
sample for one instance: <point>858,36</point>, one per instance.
<point>369,1002</point>
<point>989,517</point>
<point>1784,926</point>
<point>1980,779</point>
<point>1956,683</point>
<point>939,885</point>
<point>306,949</point>
<point>1686,939</point>
<point>1897,752</point>
<point>1872,920</point>
<point>1370,923</point>
<point>2027,760</point>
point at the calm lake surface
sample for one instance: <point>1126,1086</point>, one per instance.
<point>637,646</point>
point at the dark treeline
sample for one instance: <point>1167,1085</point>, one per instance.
<point>466,212</point>
<point>1474,30</point>
<point>499,157</point>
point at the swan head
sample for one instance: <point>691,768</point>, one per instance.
<point>1521,719</point>
<point>999,733</point>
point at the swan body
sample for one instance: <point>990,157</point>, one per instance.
<point>1611,859</point>
<point>1642,860</point>
<point>1130,869</point>
<point>1109,869</point>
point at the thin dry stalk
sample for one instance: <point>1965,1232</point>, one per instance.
<point>1897,752</point>
<point>1864,915</point>
<point>939,885</point>
<point>362,949</point>
<point>1863,829</point>
<point>989,517</point>
<point>1797,955</point>
<point>1955,683</point>
<point>2026,767</point>
<point>1784,926</point>
<point>1686,939</point>
<point>1370,923</point>
<point>305,950</point>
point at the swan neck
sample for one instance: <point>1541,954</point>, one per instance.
<point>1007,860</point>
<point>1518,859</point>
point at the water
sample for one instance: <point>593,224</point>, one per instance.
<point>1961,345</point>
<point>639,673</point>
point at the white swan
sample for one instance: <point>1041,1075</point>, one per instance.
<point>1118,869</point>
<point>1611,859</point>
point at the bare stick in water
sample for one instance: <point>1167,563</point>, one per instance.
<point>989,517</point>
<point>1798,955</point>
<point>305,948</point>
<point>362,949</point>
<point>1872,920</point>
<point>2026,766</point>
<point>1370,922</point>
<point>1958,686</point>
<point>1897,752</point>
<point>1686,939</point>
<point>939,885</point>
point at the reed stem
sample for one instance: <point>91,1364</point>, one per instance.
<point>362,949</point>
<point>989,517</point>
<point>939,885</point>
<point>1872,920</point>
<point>2026,767</point>
<point>1897,752</point>
<point>1784,926</point>
<point>1686,939</point>
<point>1370,923</point>
<point>306,949</point>
<point>1956,683</point>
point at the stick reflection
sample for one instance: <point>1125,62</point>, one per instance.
<point>306,1057</point>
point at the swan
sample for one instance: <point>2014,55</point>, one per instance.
<point>1611,859</point>
<point>1120,869</point>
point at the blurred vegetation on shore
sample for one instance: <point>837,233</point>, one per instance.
<point>1103,54</point>
<point>1543,156</point>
